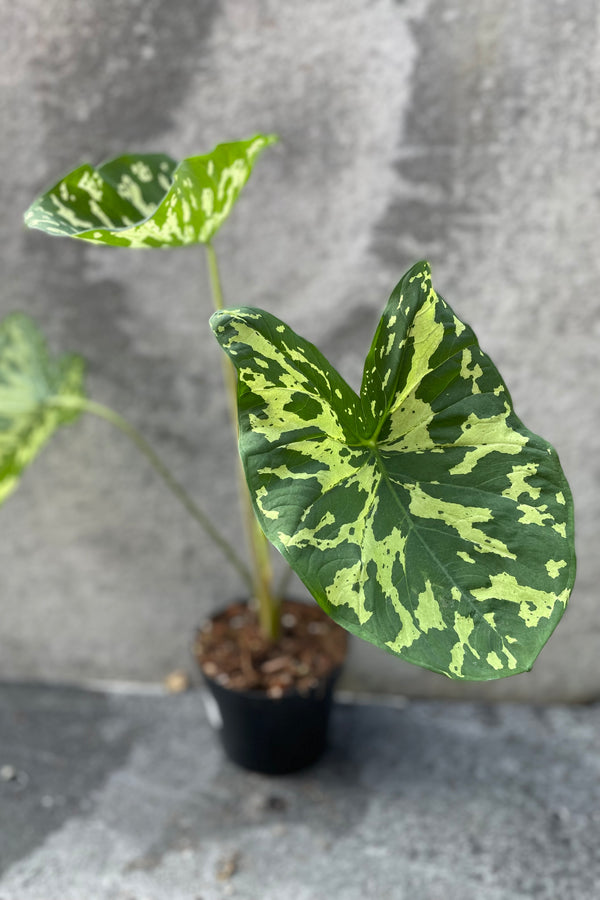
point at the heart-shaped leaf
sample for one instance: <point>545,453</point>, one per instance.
<point>32,384</point>
<point>422,516</point>
<point>149,200</point>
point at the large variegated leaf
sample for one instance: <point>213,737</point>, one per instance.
<point>148,200</point>
<point>30,383</point>
<point>422,515</point>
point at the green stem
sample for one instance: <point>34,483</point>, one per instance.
<point>268,605</point>
<point>109,415</point>
<point>215,279</point>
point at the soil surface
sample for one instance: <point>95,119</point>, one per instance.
<point>231,649</point>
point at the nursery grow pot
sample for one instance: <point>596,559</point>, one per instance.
<point>270,703</point>
<point>272,735</point>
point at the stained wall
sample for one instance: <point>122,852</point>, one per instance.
<point>465,133</point>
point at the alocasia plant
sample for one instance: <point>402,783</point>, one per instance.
<point>421,514</point>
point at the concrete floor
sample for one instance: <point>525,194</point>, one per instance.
<point>128,797</point>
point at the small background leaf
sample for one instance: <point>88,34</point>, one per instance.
<point>30,380</point>
<point>423,516</point>
<point>149,200</point>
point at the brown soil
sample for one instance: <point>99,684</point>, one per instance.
<point>232,650</point>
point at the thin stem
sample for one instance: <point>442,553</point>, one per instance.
<point>268,605</point>
<point>215,280</point>
<point>229,374</point>
<point>109,415</point>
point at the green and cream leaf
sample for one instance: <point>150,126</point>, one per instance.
<point>422,515</point>
<point>149,200</point>
<point>33,385</point>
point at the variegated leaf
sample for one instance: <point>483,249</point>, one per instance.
<point>149,200</point>
<point>423,516</point>
<point>31,383</point>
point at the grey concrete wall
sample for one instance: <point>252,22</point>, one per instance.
<point>464,132</point>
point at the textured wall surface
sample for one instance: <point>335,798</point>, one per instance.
<point>465,133</point>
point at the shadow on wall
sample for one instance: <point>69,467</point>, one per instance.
<point>463,101</point>
<point>110,100</point>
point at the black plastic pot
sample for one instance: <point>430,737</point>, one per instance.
<point>275,736</point>
<point>272,735</point>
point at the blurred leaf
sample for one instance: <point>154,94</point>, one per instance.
<point>31,381</point>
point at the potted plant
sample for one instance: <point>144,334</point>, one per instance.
<point>421,514</point>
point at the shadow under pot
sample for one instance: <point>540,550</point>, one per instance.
<point>271,701</point>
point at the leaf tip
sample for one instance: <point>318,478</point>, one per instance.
<point>215,319</point>
<point>421,268</point>
<point>218,322</point>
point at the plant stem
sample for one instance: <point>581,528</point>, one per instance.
<point>267,603</point>
<point>109,415</point>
